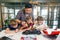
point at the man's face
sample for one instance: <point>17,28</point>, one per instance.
<point>28,10</point>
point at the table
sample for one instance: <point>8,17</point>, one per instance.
<point>17,36</point>
<point>58,38</point>
<point>51,32</point>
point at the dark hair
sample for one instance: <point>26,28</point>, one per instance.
<point>39,18</point>
<point>28,5</point>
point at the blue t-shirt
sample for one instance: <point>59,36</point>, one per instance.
<point>11,28</point>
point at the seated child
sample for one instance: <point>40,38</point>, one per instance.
<point>30,25</point>
<point>39,25</point>
<point>29,22</point>
<point>12,27</point>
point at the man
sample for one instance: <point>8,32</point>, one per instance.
<point>27,11</point>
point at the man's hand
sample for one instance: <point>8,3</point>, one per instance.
<point>18,21</point>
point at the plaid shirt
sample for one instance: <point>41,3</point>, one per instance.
<point>21,15</point>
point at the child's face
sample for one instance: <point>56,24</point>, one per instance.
<point>39,22</point>
<point>24,24</point>
<point>14,25</point>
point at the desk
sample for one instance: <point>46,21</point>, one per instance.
<point>17,36</point>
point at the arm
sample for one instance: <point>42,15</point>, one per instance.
<point>16,30</point>
<point>22,30</point>
<point>18,21</point>
<point>44,28</point>
<point>8,31</point>
<point>31,26</point>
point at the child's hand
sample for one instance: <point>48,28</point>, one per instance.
<point>16,30</point>
<point>9,32</point>
<point>42,32</point>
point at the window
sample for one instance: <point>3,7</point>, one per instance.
<point>16,11</point>
<point>11,10</point>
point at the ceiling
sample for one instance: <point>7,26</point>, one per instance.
<point>15,0</point>
<point>29,0</point>
<point>47,0</point>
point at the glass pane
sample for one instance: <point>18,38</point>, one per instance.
<point>11,10</point>
<point>45,22</point>
<point>54,27</point>
<point>16,11</point>
<point>55,23</point>
<point>55,10</point>
<point>11,16</point>
<point>38,10</point>
<point>5,16</point>
<point>35,11</point>
<point>55,14</point>
<point>5,10</point>
<point>44,11</point>
<point>45,17</point>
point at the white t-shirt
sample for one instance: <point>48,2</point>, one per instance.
<point>40,27</point>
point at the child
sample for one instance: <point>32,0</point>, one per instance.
<point>29,22</point>
<point>39,25</point>
<point>12,27</point>
<point>30,25</point>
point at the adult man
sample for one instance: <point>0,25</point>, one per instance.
<point>27,11</point>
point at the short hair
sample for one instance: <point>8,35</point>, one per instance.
<point>28,17</point>
<point>39,18</point>
<point>28,5</point>
<point>12,22</point>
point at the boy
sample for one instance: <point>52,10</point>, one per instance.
<point>39,25</point>
<point>30,29</point>
<point>29,22</point>
<point>12,27</point>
